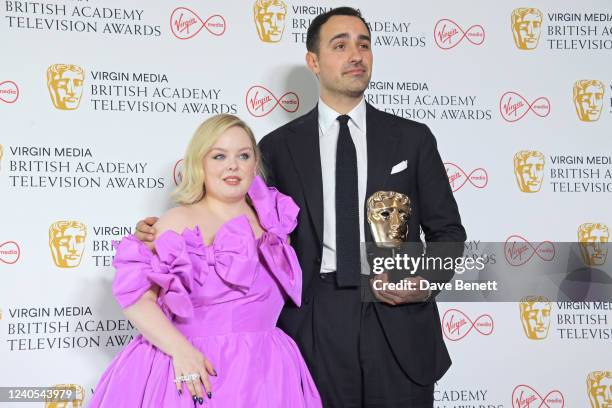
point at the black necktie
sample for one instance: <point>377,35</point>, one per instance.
<point>347,209</point>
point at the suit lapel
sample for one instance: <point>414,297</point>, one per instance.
<point>382,152</point>
<point>304,150</point>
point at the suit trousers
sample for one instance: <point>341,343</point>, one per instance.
<point>345,347</point>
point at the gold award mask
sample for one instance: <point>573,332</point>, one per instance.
<point>269,16</point>
<point>65,84</point>
<point>535,316</point>
<point>599,387</point>
<point>588,97</point>
<point>593,239</point>
<point>67,243</point>
<point>388,214</point>
<point>526,24</point>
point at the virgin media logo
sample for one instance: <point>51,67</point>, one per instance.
<point>260,101</point>
<point>456,324</point>
<point>458,178</point>
<point>448,34</point>
<point>9,252</point>
<point>9,91</point>
<point>186,24</point>
<point>513,106</point>
<point>518,251</point>
<point>524,396</point>
<point>177,172</point>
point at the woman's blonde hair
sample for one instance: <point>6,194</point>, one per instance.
<point>191,188</point>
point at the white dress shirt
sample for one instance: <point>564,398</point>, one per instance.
<point>328,141</point>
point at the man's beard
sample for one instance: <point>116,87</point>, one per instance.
<point>356,91</point>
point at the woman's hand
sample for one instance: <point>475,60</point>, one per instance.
<point>149,319</point>
<point>145,232</point>
<point>188,360</point>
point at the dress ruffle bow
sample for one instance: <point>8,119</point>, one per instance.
<point>232,256</point>
<point>183,260</point>
<point>138,270</point>
<point>278,216</point>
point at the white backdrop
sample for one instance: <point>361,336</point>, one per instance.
<point>150,72</point>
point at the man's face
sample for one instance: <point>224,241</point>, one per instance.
<point>66,89</point>
<point>531,174</point>
<point>594,247</point>
<point>344,60</point>
<point>536,320</point>
<point>589,102</point>
<point>528,31</point>
<point>68,247</point>
<point>389,220</point>
<point>271,23</point>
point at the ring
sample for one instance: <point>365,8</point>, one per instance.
<point>186,378</point>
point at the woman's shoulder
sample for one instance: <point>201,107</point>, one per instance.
<point>175,219</point>
<point>177,234</point>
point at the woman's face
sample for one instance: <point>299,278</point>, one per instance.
<point>230,166</point>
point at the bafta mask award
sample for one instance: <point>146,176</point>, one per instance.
<point>593,239</point>
<point>599,386</point>
<point>588,96</point>
<point>535,316</point>
<point>67,243</point>
<point>388,215</point>
<point>65,84</point>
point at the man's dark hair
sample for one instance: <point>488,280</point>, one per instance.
<point>314,30</point>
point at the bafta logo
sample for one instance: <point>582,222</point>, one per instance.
<point>69,396</point>
<point>65,84</point>
<point>593,239</point>
<point>588,95</point>
<point>599,388</point>
<point>269,16</point>
<point>529,170</point>
<point>526,24</point>
<point>67,243</point>
<point>535,316</point>
<point>388,215</point>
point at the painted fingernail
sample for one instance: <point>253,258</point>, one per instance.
<point>180,392</point>
<point>195,398</point>
<point>209,395</point>
<point>201,400</point>
<point>214,373</point>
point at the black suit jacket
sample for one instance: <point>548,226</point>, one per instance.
<point>292,160</point>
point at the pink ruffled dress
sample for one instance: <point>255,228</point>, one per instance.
<point>225,298</point>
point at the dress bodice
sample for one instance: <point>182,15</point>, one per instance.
<point>237,283</point>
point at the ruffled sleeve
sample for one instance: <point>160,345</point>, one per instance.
<point>137,270</point>
<point>277,212</point>
<point>278,216</point>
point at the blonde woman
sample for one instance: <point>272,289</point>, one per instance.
<point>206,303</point>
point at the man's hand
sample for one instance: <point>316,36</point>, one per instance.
<point>145,231</point>
<point>398,296</point>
